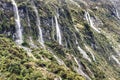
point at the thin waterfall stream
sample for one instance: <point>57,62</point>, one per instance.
<point>19,37</point>
<point>58,33</point>
<point>90,21</point>
<point>83,52</point>
<point>115,59</point>
<point>40,36</point>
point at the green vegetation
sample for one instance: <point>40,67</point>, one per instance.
<point>16,65</point>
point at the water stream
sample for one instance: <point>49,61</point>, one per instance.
<point>58,33</point>
<point>83,52</point>
<point>40,36</point>
<point>115,59</point>
<point>90,21</point>
<point>19,39</point>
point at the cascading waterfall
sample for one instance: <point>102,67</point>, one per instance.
<point>90,21</point>
<point>59,38</point>
<point>83,52</point>
<point>79,69</point>
<point>88,49</point>
<point>115,59</point>
<point>19,39</point>
<point>40,36</point>
<point>118,16</point>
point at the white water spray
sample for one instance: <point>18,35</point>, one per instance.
<point>117,14</point>
<point>40,36</point>
<point>19,39</point>
<point>90,21</point>
<point>83,52</point>
<point>115,59</point>
<point>59,38</point>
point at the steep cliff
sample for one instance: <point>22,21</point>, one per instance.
<point>68,39</point>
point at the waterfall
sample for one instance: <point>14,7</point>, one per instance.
<point>115,59</point>
<point>40,36</point>
<point>79,69</point>
<point>91,52</point>
<point>59,38</point>
<point>117,14</point>
<point>19,39</point>
<point>90,21</point>
<point>83,52</point>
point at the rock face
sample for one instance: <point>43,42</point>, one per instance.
<point>82,34</point>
